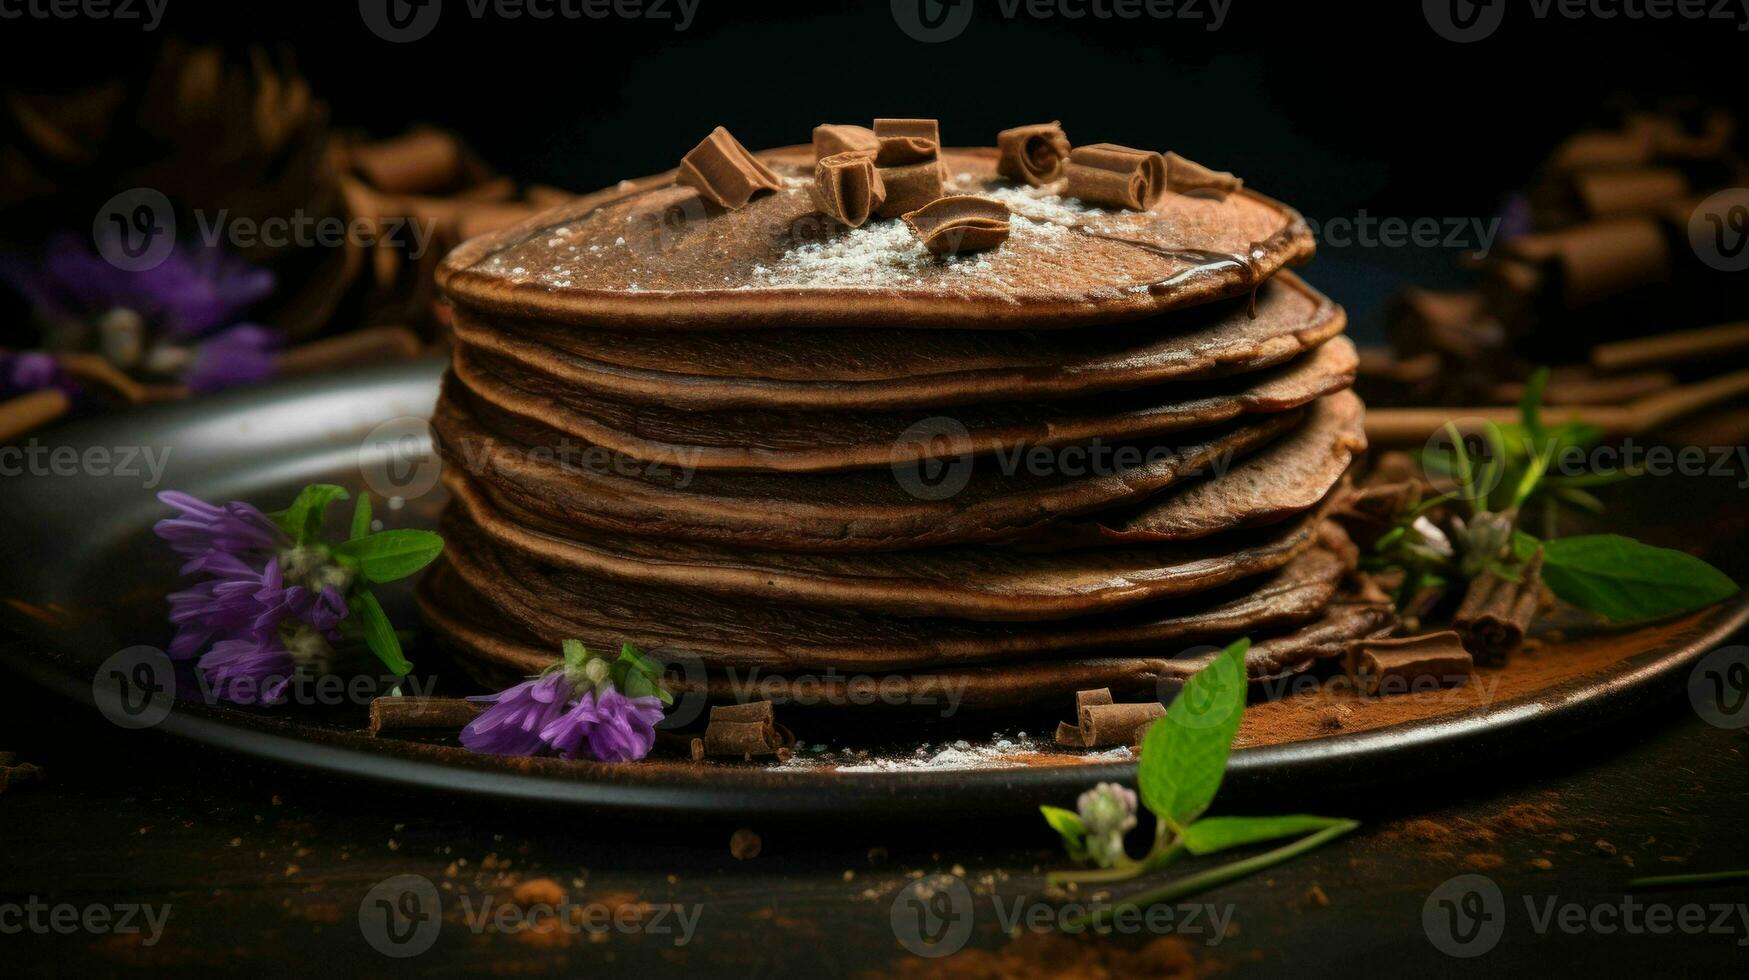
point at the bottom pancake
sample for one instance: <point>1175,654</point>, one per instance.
<point>505,651</point>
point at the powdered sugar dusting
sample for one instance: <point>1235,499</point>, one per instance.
<point>881,253</point>
<point>998,752</point>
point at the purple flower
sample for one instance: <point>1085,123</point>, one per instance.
<point>549,715</point>
<point>625,728</point>
<point>210,534</point>
<point>249,671</point>
<point>22,372</point>
<point>514,723</point>
<point>177,320</point>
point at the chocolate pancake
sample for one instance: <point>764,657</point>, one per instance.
<point>968,582</point>
<point>652,255</point>
<point>868,370</point>
<point>756,633</point>
<point>510,651</point>
<point>531,468</point>
<point>784,441</point>
<point>1285,478</point>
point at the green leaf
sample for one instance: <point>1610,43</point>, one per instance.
<point>1068,825</point>
<point>303,519</point>
<point>389,555</point>
<point>575,653</point>
<point>360,518</point>
<point>379,633</point>
<point>1623,580</point>
<point>1211,834</point>
<point>1184,755</point>
<point>637,676</point>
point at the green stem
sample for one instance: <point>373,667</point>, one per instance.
<point>1215,877</point>
<point>1673,881</point>
<point>1155,861</point>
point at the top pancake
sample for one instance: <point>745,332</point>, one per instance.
<point>652,255</point>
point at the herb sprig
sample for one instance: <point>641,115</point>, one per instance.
<point>1183,762</point>
<point>1612,576</point>
<point>369,558</point>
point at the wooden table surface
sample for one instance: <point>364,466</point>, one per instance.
<point>265,870</point>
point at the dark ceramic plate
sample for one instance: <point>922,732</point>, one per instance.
<point>84,580</point>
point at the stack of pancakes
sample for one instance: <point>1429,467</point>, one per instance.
<point>825,462</point>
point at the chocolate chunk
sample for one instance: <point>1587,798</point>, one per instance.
<point>394,713</point>
<point>909,187</point>
<point>1105,725</point>
<point>1117,176</point>
<point>1032,155</point>
<point>831,139</point>
<point>952,225</point>
<point>724,173</point>
<point>1409,664</point>
<point>848,187</point>
<point>903,141</point>
<point>1186,176</point>
<point>745,730</point>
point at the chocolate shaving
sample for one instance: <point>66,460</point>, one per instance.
<point>1117,176</point>
<point>909,187</point>
<point>848,188</point>
<point>1103,723</point>
<point>831,139</point>
<point>1409,664</point>
<point>952,225</point>
<point>1185,176</point>
<point>745,730</point>
<point>1496,612</point>
<point>1032,155</point>
<point>724,173</point>
<point>17,772</point>
<point>393,713</point>
<point>903,141</point>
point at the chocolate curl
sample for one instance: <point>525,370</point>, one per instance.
<point>905,141</point>
<point>1600,149</point>
<point>1626,193</point>
<point>745,730</point>
<point>724,173</point>
<point>1105,725</point>
<point>1116,176</point>
<point>1186,176</point>
<point>1681,347</point>
<point>1496,612</point>
<point>909,187</point>
<point>1601,260</point>
<point>1032,155</point>
<point>23,772</point>
<point>1414,663</point>
<point>422,161</point>
<point>396,713</point>
<point>831,139</point>
<point>848,188</point>
<point>952,225</point>
<point>1068,734</point>
<point>30,411</point>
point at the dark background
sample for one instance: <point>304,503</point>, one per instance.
<point>1334,108</point>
